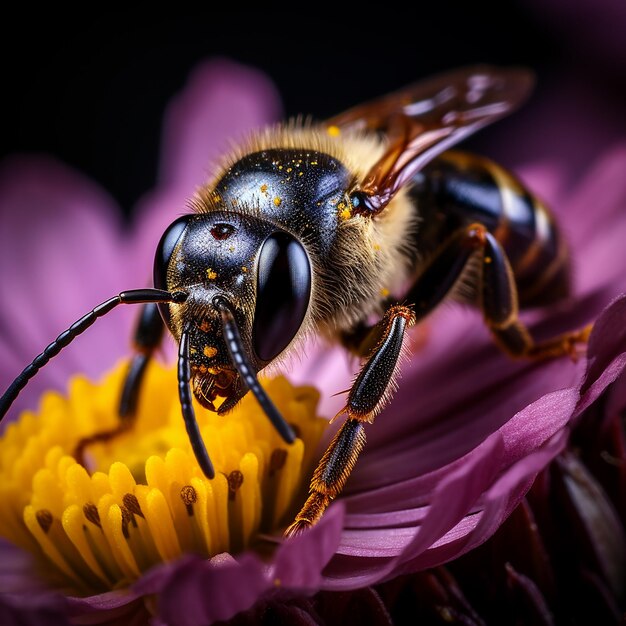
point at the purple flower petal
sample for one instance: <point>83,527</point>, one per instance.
<point>606,353</point>
<point>61,244</point>
<point>24,599</point>
<point>193,591</point>
<point>299,561</point>
<point>529,598</point>
<point>221,101</point>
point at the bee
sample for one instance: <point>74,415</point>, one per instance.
<point>322,228</point>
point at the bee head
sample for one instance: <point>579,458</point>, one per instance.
<point>261,274</point>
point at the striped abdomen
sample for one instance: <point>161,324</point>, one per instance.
<point>459,188</point>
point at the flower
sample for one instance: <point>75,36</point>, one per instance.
<point>446,463</point>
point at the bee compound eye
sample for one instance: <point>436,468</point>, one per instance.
<point>162,257</point>
<point>283,292</point>
<point>165,249</point>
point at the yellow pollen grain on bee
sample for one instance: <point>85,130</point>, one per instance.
<point>211,273</point>
<point>300,173</point>
<point>264,188</point>
<point>209,351</point>
<point>377,247</point>
<point>345,214</point>
<point>333,131</point>
<point>487,259</point>
<point>244,269</point>
<point>277,201</point>
<point>384,292</point>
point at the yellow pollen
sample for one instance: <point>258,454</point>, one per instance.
<point>143,500</point>
<point>487,259</point>
<point>277,201</point>
<point>263,188</point>
<point>333,131</point>
<point>209,351</point>
<point>211,273</point>
<point>384,292</point>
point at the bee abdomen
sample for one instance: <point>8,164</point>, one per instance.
<point>458,188</point>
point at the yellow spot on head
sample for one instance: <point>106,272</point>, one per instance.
<point>333,131</point>
<point>277,201</point>
<point>209,351</point>
<point>345,214</point>
<point>211,274</point>
<point>384,292</point>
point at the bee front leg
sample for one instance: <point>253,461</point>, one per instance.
<point>366,398</point>
<point>148,335</point>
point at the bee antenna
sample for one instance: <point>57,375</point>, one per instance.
<point>242,364</point>
<point>134,296</point>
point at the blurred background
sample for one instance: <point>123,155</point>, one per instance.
<point>91,89</point>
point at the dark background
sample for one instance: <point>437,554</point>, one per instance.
<point>91,90</point>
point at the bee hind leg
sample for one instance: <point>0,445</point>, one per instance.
<point>148,335</point>
<point>366,398</point>
<point>497,294</point>
<point>499,301</point>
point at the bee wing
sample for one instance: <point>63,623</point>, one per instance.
<point>424,119</point>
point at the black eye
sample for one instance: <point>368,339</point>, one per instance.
<point>164,252</point>
<point>283,291</point>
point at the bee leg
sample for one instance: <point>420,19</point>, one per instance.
<point>497,294</point>
<point>500,307</point>
<point>366,398</point>
<point>148,335</point>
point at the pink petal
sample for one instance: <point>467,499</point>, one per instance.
<point>195,592</point>
<point>607,353</point>
<point>299,562</point>
<point>221,101</point>
<point>61,247</point>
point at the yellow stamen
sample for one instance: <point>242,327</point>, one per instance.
<point>143,499</point>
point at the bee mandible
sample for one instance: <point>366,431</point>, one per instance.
<point>312,229</point>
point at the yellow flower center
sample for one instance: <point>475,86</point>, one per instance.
<point>143,499</point>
